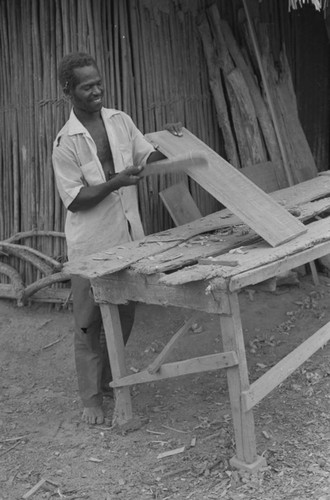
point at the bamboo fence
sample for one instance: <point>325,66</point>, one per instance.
<point>154,66</point>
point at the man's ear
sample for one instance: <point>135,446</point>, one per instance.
<point>67,95</point>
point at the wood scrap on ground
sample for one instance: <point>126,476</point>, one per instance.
<point>35,488</point>
<point>170,453</point>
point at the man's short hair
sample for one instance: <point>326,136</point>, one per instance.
<point>66,68</point>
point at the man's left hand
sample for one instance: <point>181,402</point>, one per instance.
<point>174,128</point>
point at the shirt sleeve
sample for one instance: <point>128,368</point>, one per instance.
<point>141,148</point>
<point>68,175</point>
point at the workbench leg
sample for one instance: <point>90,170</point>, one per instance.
<point>116,350</point>
<point>238,380</point>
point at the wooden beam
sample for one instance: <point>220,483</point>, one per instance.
<point>128,285</point>
<point>159,360</point>
<point>278,373</point>
<point>201,364</point>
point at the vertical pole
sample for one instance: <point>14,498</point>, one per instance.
<point>116,350</point>
<point>238,381</point>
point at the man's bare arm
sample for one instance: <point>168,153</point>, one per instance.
<point>90,196</point>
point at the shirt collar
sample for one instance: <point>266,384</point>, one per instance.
<point>76,127</point>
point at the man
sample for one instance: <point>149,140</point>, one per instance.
<point>97,158</point>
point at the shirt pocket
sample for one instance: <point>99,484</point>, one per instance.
<point>126,154</point>
<point>91,173</point>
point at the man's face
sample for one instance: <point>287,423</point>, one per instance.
<point>87,96</point>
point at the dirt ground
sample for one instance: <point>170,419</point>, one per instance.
<point>42,436</point>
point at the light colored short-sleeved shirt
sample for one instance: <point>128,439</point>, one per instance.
<point>115,219</point>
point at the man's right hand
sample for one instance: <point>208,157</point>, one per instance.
<point>89,196</point>
<point>129,176</point>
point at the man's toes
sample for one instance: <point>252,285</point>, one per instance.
<point>99,420</point>
<point>93,416</point>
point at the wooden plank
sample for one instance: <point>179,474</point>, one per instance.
<point>262,111</point>
<point>175,165</point>
<point>190,252</point>
<point>201,364</point>
<point>202,273</point>
<point>255,260</point>
<point>275,268</point>
<point>162,356</point>
<point>180,204</point>
<point>118,258</point>
<point>304,191</point>
<point>269,97</point>
<point>199,247</point>
<point>284,368</point>
<point>209,261</point>
<point>123,256</point>
<point>257,209</point>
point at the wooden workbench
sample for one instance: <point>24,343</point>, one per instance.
<point>174,268</point>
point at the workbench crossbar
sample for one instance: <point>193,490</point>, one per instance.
<point>284,368</point>
<point>200,364</point>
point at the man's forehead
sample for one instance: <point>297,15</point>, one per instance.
<point>86,73</point>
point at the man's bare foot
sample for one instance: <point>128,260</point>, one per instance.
<point>93,415</point>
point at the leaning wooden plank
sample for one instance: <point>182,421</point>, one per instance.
<point>284,368</point>
<point>180,204</point>
<point>230,187</point>
<point>201,364</point>
<point>262,111</point>
<point>263,175</point>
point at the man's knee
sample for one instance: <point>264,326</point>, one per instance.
<point>86,312</point>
